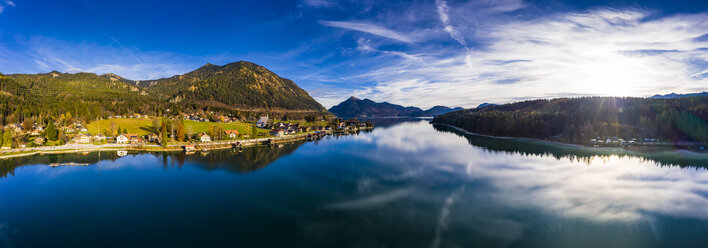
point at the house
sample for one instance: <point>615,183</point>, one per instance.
<point>188,148</point>
<point>99,137</point>
<point>34,133</point>
<point>233,134</point>
<point>205,138</point>
<point>39,140</point>
<point>262,121</point>
<point>134,138</point>
<point>277,132</point>
<point>84,139</point>
<point>122,139</point>
<point>152,137</point>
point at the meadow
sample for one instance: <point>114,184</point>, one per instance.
<point>143,126</point>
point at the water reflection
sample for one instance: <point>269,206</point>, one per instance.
<point>248,160</point>
<point>568,181</point>
<point>403,185</point>
<point>530,147</point>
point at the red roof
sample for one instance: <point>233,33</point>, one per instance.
<point>231,131</point>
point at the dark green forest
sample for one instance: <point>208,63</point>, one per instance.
<point>576,120</point>
<point>239,89</point>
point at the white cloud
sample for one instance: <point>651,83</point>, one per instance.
<point>41,54</point>
<point>599,52</point>
<point>10,3</point>
<point>2,8</point>
<point>320,3</point>
<point>445,19</point>
<point>369,28</point>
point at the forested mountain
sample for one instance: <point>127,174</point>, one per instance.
<point>237,89</point>
<point>83,95</point>
<point>674,95</point>
<point>435,111</point>
<point>579,119</point>
<point>355,107</point>
<point>235,86</point>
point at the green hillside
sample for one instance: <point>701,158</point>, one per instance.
<point>579,119</point>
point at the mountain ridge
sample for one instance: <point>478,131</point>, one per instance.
<point>355,107</point>
<point>239,89</point>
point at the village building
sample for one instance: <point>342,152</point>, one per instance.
<point>134,138</point>
<point>84,139</point>
<point>152,137</point>
<point>99,137</point>
<point>233,134</point>
<point>262,121</point>
<point>189,148</point>
<point>205,138</point>
<point>122,139</point>
<point>39,140</point>
<point>277,132</point>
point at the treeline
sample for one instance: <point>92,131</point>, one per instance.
<point>578,119</point>
<point>45,97</point>
<point>235,85</point>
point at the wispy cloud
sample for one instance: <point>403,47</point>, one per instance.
<point>320,3</point>
<point>41,54</point>
<point>597,52</point>
<point>369,28</point>
<point>10,3</point>
<point>445,19</point>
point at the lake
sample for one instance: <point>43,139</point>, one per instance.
<point>407,183</point>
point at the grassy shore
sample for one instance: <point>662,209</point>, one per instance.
<point>143,126</point>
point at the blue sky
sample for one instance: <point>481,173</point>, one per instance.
<point>422,53</point>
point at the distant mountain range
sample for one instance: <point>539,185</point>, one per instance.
<point>674,95</point>
<point>355,107</point>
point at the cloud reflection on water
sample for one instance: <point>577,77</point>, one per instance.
<point>610,188</point>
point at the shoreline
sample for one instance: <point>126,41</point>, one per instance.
<point>558,143</point>
<point>156,148</point>
<point>515,138</point>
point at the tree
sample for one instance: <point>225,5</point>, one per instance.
<point>7,138</point>
<point>27,124</point>
<point>180,130</point>
<point>125,131</point>
<point>68,117</point>
<point>216,132</point>
<point>164,139</point>
<point>156,124</point>
<point>51,133</point>
<point>114,131</point>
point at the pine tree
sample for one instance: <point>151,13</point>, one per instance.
<point>51,133</point>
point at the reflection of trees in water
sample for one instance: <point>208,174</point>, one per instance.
<point>389,122</point>
<point>250,159</point>
<point>7,166</point>
<point>528,147</point>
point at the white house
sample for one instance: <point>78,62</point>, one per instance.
<point>84,139</point>
<point>205,138</point>
<point>262,121</point>
<point>232,133</point>
<point>122,139</point>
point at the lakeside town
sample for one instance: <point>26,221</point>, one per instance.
<point>183,132</point>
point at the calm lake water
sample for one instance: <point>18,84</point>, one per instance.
<point>404,184</point>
